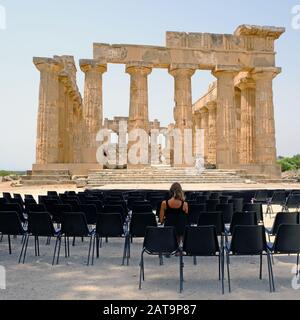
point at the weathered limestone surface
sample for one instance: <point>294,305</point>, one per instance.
<point>237,113</point>
<point>92,105</point>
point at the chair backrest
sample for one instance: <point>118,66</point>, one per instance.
<point>202,198</point>
<point>255,207</point>
<point>215,195</point>
<point>3,201</point>
<point>13,207</point>
<point>211,205</point>
<point>90,211</point>
<point>52,193</point>
<point>7,195</point>
<point>141,208</point>
<point>227,211</point>
<point>58,212</point>
<point>293,201</point>
<point>261,196</point>
<point>139,222</point>
<point>284,218</point>
<point>29,201</point>
<point>40,224</point>
<point>200,241</point>
<point>109,225</point>
<point>74,224</point>
<point>194,212</point>
<point>279,197</point>
<point>287,239</point>
<point>212,219</point>
<point>10,223</point>
<point>115,209</point>
<point>238,204</point>
<point>224,199</point>
<point>243,219</point>
<point>35,208</point>
<point>160,240</point>
<point>248,240</point>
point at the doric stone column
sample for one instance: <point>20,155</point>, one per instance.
<point>212,132</point>
<point>92,105</point>
<point>205,127</point>
<point>138,109</point>
<point>47,145</point>
<point>247,138</point>
<point>265,145</point>
<point>183,102</point>
<point>226,118</point>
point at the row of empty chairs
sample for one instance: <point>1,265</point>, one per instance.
<point>103,214</point>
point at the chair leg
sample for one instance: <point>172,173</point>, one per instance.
<point>195,260</point>
<point>93,253</point>
<point>260,267</point>
<point>297,272</point>
<point>1,237</point>
<point>26,245</point>
<point>90,247</point>
<point>142,275</point>
<point>228,272</point>
<point>35,246</point>
<point>73,243</point>
<point>68,246</point>
<point>9,244</point>
<point>270,274</point>
<point>222,266</point>
<point>55,248</point>
<point>161,260</point>
<point>97,245</point>
<point>66,254</point>
<point>124,251</point>
<point>181,265</point>
<point>23,246</point>
<point>59,246</point>
<point>219,267</point>
<point>128,250</point>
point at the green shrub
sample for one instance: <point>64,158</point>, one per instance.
<point>289,163</point>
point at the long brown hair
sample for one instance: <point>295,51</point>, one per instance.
<point>176,191</point>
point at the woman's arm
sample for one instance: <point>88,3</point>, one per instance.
<point>162,212</point>
<point>186,207</point>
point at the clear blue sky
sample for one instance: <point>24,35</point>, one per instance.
<point>47,28</point>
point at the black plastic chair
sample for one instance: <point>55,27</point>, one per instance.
<point>139,223</point>
<point>227,211</point>
<point>115,209</point>
<point>292,202</point>
<point>110,225</point>
<point>160,241</point>
<point>141,208</point>
<point>203,242</point>
<point>238,204</point>
<point>74,225</point>
<point>255,207</point>
<point>249,241</point>
<point>40,225</point>
<point>287,241</point>
<point>11,225</point>
<point>242,219</point>
<point>194,213</point>
<point>58,212</point>
<point>282,218</point>
<point>35,208</point>
<point>211,205</point>
<point>90,211</point>
<point>14,207</point>
<point>278,198</point>
<point>261,196</point>
<point>178,221</point>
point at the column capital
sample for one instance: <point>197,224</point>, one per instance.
<point>47,64</point>
<point>246,83</point>
<point>211,105</point>
<point>138,67</point>
<point>203,110</point>
<point>182,70</point>
<point>268,73</point>
<point>87,65</point>
<point>219,70</point>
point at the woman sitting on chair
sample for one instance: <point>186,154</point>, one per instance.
<point>174,212</point>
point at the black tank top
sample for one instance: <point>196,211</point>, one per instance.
<point>179,210</point>
<point>177,218</point>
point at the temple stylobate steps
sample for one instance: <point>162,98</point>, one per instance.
<point>162,175</point>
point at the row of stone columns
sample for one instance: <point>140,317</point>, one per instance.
<point>239,126</point>
<point>228,141</point>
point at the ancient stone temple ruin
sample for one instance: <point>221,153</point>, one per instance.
<point>236,114</point>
